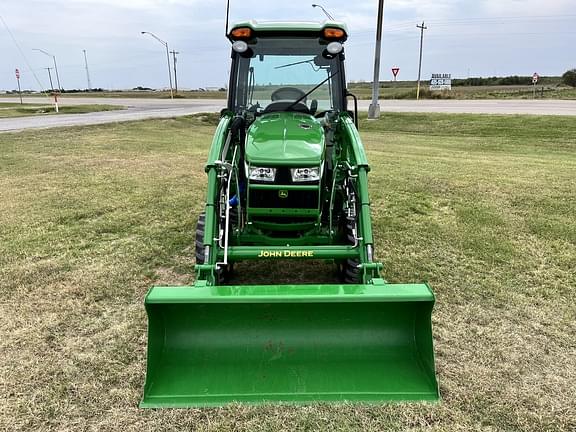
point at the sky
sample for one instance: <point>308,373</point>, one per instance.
<point>463,37</point>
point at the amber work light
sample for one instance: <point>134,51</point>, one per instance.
<point>334,33</point>
<point>241,33</point>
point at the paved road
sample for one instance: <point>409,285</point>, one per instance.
<point>499,106</point>
<point>136,109</point>
<point>140,109</point>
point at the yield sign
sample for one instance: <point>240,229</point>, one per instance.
<point>395,71</point>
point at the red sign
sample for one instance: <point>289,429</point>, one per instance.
<point>395,71</point>
<point>17,73</point>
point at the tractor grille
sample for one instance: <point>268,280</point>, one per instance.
<point>297,199</point>
<point>283,176</point>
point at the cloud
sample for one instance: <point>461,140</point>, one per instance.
<point>529,8</point>
<point>134,4</point>
<point>461,35</point>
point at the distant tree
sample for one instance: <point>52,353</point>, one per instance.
<point>569,78</point>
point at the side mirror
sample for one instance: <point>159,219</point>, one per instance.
<point>355,113</point>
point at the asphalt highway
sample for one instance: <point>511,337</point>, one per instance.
<point>141,109</point>
<point>136,109</point>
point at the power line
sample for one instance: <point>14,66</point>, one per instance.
<point>21,51</point>
<point>461,35</point>
<point>405,25</point>
<point>504,18</point>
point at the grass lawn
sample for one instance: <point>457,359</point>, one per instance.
<point>152,94</point>
<point>482,207</point>
<point>407,90</point>
<point>388,90</point>
<point>10,109</point>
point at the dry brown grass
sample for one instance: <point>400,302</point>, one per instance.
<point>481,207</point>
<point>10,109</point>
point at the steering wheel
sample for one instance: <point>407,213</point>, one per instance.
<point>288,93</point>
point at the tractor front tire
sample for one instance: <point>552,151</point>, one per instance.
<point>348,269</point>
<point>200,227</point>
<point>222,275</point>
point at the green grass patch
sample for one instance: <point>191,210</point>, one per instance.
<point>407,90</point>
<point>481,207</point>
<point>388,90</point>
<point>154,94</point>
<point>10,109</point>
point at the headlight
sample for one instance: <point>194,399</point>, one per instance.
<point>262,174</point>
<point>242,47</point>
<point>305,174</point>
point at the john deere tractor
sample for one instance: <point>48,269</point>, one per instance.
<point>288,180</point>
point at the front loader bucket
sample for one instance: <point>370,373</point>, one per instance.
<point>294,343</point>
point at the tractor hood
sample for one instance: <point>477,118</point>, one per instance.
<point>285,139</point>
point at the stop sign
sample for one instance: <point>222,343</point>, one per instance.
<point>17,73</point>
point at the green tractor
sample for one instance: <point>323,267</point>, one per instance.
<point>288,180</point>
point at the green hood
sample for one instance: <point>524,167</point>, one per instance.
<point>285,139</point>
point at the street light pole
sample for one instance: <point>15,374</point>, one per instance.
<point>374,108</point>
<point>55,65</point>
<point>57,75</point>
<point>330,17</point>
<point>422,28</point>
<point>167,58</point>
<point>174,53</point>
<point>50,78</point>
<point>87,71</point>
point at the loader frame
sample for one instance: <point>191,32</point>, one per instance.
<point>314,246</point>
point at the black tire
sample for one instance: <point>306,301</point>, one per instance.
<point>200,227</point>
<point>223,274</point>
<point>349,271</point>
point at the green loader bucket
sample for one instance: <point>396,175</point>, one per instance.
<point>210,346</point>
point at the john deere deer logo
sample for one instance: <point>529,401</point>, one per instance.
<point>283,194</point>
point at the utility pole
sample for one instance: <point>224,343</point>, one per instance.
<point>374,108</point>
<point>422,28</point>
<point>87,71</point>
<point>174,53</point>
<point>50,78</point>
